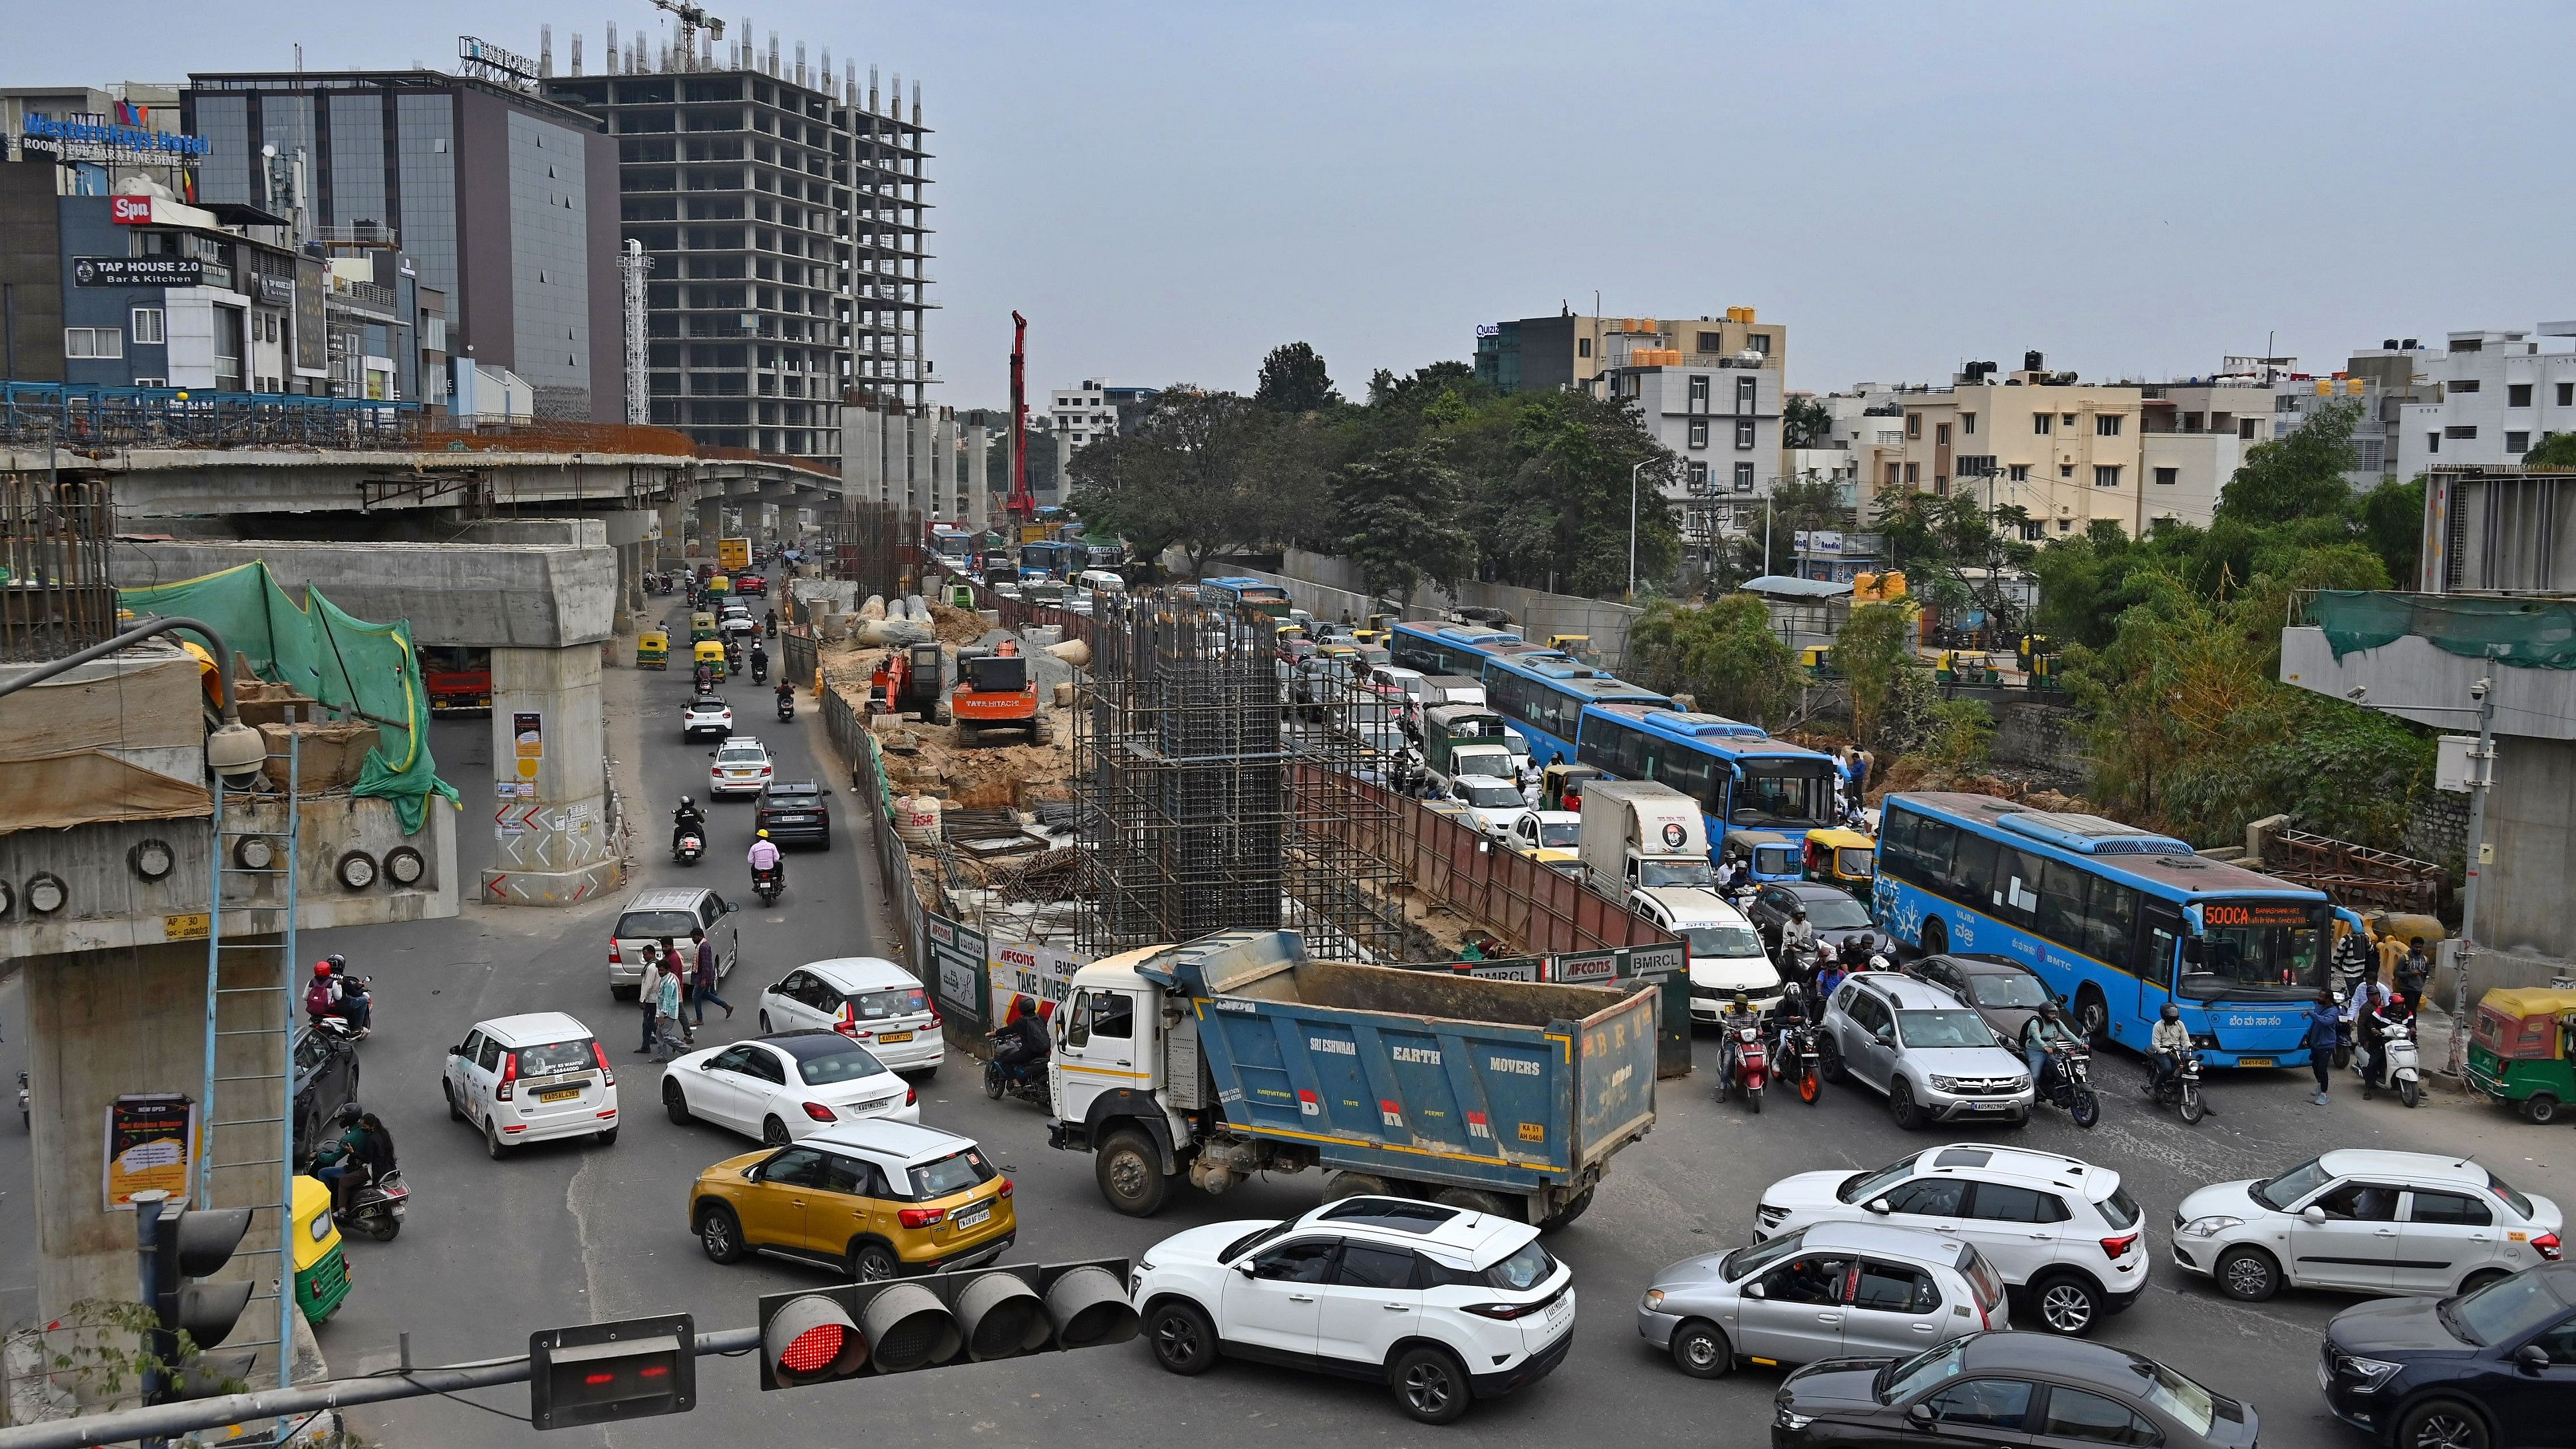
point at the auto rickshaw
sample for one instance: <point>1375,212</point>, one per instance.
<point>1840,857</point>
<point>708,654</point>
<point>1963,666</point>
<point>2522,1049</point>
<point>321,1272</point>
<point>702,627</point>
<point>1768,855</point>
<point>1561,786</point>
<point>653,649</point>
<point>1817,662</point>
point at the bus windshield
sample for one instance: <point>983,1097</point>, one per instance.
<point>2266,950</point>
<point>1782,795</point>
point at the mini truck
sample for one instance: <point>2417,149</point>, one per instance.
<point>1237,1053</point>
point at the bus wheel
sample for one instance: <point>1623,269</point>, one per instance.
<point>2092,1017</point>
<point>1936,937</point>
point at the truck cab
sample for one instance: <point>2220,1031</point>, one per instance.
<point>1642,834</point>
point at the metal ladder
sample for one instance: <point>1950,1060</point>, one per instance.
<point>240,1165</point>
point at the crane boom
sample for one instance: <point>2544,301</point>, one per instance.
<point>691,18</point>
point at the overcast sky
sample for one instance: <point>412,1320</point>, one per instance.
<point>1167,190</point>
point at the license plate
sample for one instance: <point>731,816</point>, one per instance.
<point>1558,1311</point>
<point>2254,1061</point>
<point>973,1217</point>
<point>894,1036</point>
<point>560,1094</point>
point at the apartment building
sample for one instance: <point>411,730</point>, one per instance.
<point>2299,397</point>
<point>2066,452</point>
<point>2193,436</point>
<point>1570,351</point>
<point>1094,410</point>
<point>2487,399</point>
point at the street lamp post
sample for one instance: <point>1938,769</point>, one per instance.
<point>1632,526</point>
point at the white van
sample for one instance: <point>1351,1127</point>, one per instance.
<point>1101,581</point>
<point>1726,954</point>
<point>531,1078</point>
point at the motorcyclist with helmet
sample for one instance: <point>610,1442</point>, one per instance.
<point>2165,1047</point>
<point>687,818</point>
<point>2047,1029</point>
<point>766,859</point>
<point>1739,1013</point>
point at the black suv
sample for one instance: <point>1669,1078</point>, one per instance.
<point>795,811</point>
<point>2483,1370</point>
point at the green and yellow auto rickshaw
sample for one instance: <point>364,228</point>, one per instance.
<point>653,649</point>
<point>2522,1049</point>
<point>702,627</point>
<point>1840,857</point>
<point>321,1272</point>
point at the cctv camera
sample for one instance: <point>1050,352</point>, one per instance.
<point>237,753</point>
<point>2478,691</point>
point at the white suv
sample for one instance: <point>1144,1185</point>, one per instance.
<point>1726,955</point>
<point>2064,1233</point>
<point>1441,1304</point>
<point>1932,1055</point>
<point>2368,1222</point>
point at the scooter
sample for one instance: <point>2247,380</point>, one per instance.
<point>691,845</point>
<point>2069,1084</point>
<point>1751,1069</point>
<point>2181,1091</point>
<point>768,883</point>
<point>760,669</point>
<point>377,1208</point>
<point>2398,1068</point>
<point>787,706</point>
<point>1024,1080</point>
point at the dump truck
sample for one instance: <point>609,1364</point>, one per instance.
<point>1238,1053</point>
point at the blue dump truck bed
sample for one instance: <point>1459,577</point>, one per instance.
<point>1424,1076</point>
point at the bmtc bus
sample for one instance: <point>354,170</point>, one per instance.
<point>1542,692</point>
<point>1761,795</point>
<point>2115,919</point>
<point>1250,595</point>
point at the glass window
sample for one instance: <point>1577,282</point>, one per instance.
<point>957,1172</point>
<point>1935,842</point>
<point>2003,1203</point>
<point>732,1059</point>
<point>2448,1207</point>
<point>2502,1311</point>
<point>1367,1266</point>
<point>843,1064</point>
<point>849,1175</point>
<point>1525,1268</point>
<point>1922,1371</point>
<point>882,1005</point>
<point>1888,1288</point>
<point>794,1167</point>
<point>2110,923</point>
<point>1308,1260</point>
<point>2119,1209</point>
<point>1972,872</point>
<point>1749,1260</point>
<point>561,1056</point>
<point>1931,1197</point>
<point>2015,896</point>
<point>2267,950</point>
<point>2360,1202</point>
<point>2062,891</point>
<point>1806,1280</point>
<point>490,1060</point>
<point>1991,1403</point>
<point>1948,1027</point>
<point>467,1049</point>
<point>2007,989</point>
<point>2093,1419</point>
<point>1870,1184</point>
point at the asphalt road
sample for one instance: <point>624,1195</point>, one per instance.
<point>567,1234</point>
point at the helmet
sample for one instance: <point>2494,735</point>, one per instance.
<point>321,968</point>
<point>1800,912</point>
<point>2170,1012</point>
<point>688,802</point>
<point>764,835</point>
<point>348,1113</point>
<point>336,961</point>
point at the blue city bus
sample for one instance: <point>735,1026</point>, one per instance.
<point>1250,595</point>
<point>1044,560</point>
<point>1460,649</point>
<point>1541,692</point>
<point>1761,795</point>
<point>2115,919</point>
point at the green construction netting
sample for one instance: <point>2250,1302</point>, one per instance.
<point>325,654</point>
<point>2524,633</point>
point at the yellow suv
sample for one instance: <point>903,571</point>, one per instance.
<point>874,1199</point>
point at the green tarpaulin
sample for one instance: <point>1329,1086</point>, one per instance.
<point>2523,633</point>
<point>320,651</point>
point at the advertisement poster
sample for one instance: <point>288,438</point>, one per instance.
<point>957,956</point>
<point>1017,968</point>
<point>150,1139</point>
<point>528,736</point>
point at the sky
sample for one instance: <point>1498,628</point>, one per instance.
<point>1168,190</point>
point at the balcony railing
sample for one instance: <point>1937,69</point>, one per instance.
<point>54,413</point>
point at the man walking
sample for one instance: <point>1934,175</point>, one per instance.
<point>648,994</point>
<point>702,976</point>
<point>666,1014</point>
<point>2411,974</point>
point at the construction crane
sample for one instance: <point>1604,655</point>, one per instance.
<point>690,18</point>
<point>1022,506</point>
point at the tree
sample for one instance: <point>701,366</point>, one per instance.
<point>1722,653</point>
<point>2556,450</point>
<point>1804,423</point>
<point>1875,647</point>
<point>1400,518</point>
<point>1188,477</point>
<point>2300,476</point>
<point>1558,518</point>
<point>1953,554</point>
<point>1293,380</point>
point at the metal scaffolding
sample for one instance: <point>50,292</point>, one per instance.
<point>55,598</point>
<point>1216,793</point>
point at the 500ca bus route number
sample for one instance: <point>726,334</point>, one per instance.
<point>2284,914</point>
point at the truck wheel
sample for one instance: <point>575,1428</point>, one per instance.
<point>1573,1209</point>
<point>1474,1200</point>
<point>1354,1184</point>
<point>1131,1174</point>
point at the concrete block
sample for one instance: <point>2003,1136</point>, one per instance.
<point>482,595</point>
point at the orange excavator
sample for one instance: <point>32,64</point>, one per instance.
<point>995,691</point>
<point>908,681</point>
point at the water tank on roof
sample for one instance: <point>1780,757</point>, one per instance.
<point>2033,361</point>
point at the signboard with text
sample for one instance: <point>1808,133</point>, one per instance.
<point>957,964</point>
<point>151,1144</point>
<point>137,271</point>
<point>1021,968</point>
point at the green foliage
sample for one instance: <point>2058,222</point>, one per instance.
<point>1954,553</point>
<point>2300,476</point>
<point>2392,523</point>
<point>1875,652</point>
<point>1294,380</point>
<point>1722,653</point>
<point>1205,472</point>
<point>1554,513</point>
<point>2556,450</point>
<point>1399,516</point>
<point>1805,423</point>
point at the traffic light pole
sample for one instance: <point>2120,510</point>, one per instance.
<point>147,1255</point>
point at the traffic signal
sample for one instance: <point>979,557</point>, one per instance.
<point>825,1334</point>
<point>593,1373</point>
<point>193,1244</point>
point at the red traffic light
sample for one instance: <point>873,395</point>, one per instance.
<point>962,1316</point>
<point>812,1339</point>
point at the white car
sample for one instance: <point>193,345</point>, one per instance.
<point>2365,1221</point>
<point>2064,1233</point>
<point>531,1078</point>
<point>868,999</point>
<point>1494,806</point>
<point>1726,955</point>
<point>706,715</point>
<point>786,1086</point>
<point>1443,1305</point>
<point>741,767</point>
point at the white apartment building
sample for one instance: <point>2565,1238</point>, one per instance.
<point>1721,420</point>
<point>2192,437</point>
<point>2295,399</point>
<point>2492,397</point>
<point>1081,414</point>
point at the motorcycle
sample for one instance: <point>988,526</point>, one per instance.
<point>2397,1067</point>
<point>768,883</point>
<point>2068,1083</point>
<point>772,628</point>
<point>787,706</point>
<point>1024,1080</point>
<point>760,669</point>
<point>2181,1091</point>
<point>377,1208</point>
<point>1749,1068</point>
<point>22,1099</point>
<point>1799,1061</point>
<point>691,845</point>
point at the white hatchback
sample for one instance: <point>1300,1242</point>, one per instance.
<point>2365,1221</point>
<point>531,1078</point>
<point>1443,1305</point>
<point>868,999</point>
<point>783,1087</point>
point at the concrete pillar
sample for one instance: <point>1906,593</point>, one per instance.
<point>552,844</point>
<point>947,501</point>
<point>711,511</point>
<point>630,586</point>
<point>979,440</point>
<point>105,1024</point>
<point>667,549</point>
<point>919,490</point>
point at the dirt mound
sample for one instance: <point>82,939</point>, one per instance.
<point>956,626</point>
